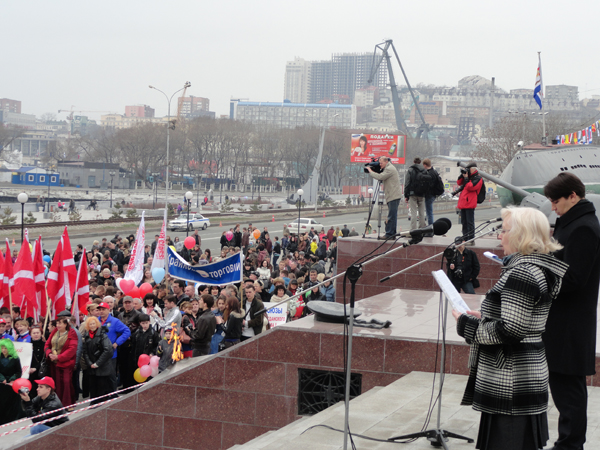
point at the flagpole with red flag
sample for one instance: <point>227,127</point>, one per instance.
<point>9,281</point>
<point>55,286</point>
<point>82,288</point>
<point>39,272</point>
<point>23,280</point>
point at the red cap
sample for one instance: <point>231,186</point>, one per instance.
<point>2,321</point>
<point>47,381</point>
<point>104,305</point>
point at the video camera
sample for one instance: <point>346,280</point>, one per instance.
<point>374,165</point>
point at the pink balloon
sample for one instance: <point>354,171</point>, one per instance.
<point>126,286</point>
<point>154,371</point>
<point>20,383</point>
<point>229,235</point>
<point>146,371</point>
<point>189,242</point>
<point>134,293</point>
<point>154,361</point>
<point>145,288</point>
<point>143,360</point>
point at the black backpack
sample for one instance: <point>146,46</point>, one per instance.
<point>481,193</point>
<point>437,187</point>
<point>421,182</point>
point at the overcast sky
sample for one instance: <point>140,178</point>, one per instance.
<point>102,55</point>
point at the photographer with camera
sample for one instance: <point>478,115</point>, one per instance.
<point>391,185</point>
<point>463,267</point>
<point>470,183</point>
<point>417,183</point>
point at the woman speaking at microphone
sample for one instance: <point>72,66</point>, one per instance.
<point>508,373</point>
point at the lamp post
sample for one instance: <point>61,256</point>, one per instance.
<point>112,175</point>
<point>300,193</point>
<point>188,199</point>
<point>186,85</point>
<point>22,197</point>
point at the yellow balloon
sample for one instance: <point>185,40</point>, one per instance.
<point>137,376</point>
<point>173,248</point>
<point>30,247</point>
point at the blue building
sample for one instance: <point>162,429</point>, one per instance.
<point>34,176</point>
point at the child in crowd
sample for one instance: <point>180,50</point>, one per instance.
<point>145,339</point>
<point>165,350</point>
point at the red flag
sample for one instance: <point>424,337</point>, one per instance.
<point>3,302</point>
<point>8,275</point>
<point>56,281</point>
<point>82,287</point>
<point>24,295</point>
<point>39,271</point>
<point>68,264</point>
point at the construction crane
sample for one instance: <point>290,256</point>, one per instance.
<point>180,104</point>
<point>424,128</point>
<point>70,116</point>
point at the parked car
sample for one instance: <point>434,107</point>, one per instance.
<point>305,225</point>
<point>197,221</point>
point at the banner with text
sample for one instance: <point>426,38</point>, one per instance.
<point>25,351</point>
<point>226,271</point>
<point>365,147</point>
<point>277,315</point>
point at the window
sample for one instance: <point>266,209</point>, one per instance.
<point>53,179</point>
<point>447,169</point>
<point>42,178</point>
<point>30,177</point>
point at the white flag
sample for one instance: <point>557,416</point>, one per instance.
<point>135,269</point>
<point>158,261</point>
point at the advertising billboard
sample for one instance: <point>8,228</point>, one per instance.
<point>365,147</point>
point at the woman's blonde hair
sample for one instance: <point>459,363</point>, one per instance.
<point>91,319</point>
<point>530,231</point>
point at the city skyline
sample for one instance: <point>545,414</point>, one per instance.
<point>240,50</point>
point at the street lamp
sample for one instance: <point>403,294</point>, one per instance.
<point>185,86</point>
<point>22,197</point>
<point>188,199</point>
<point>112,174</point>
<point>300,193</point>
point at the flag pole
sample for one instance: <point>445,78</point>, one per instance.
<point>544,140</point>
<point>48,306</point>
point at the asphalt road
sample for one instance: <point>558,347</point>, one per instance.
<point>212,235</point>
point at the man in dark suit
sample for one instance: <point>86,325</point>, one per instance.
<point>570,336</point>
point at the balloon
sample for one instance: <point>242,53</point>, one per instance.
<point>118,283</point>
<point>126,286</point>
<point>256,233</point>
<point>21,383</point>
<point>158,274</point>
<point>143,360</point>
<point>154,361</point>
<point>189,242</point>
<point>137,376</point>
<point>134,293</point>
<point>172,247</point>
<point>154,371</point>
<point>145,288</point>
<point>47,259</point>
<point>145,371</point>
<point>229,235</point>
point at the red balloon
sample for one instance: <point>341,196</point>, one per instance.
<point>134,293</point>
<point>127,286</point>
<point>143,360</point>
<point>189,242</point>
<point>20,383</point>
<point>145,288</point>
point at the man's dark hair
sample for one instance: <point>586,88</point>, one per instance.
<point>171,299</point>
<point>563,185</point>
<point>180,283</point>
<point>208,300</point>
<point>417,160</point>
<point>16,309</point>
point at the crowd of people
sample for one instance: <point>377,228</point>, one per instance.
<point>97,352</point>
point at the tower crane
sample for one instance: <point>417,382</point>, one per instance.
<point>180,103</point>
<point>424,128</point>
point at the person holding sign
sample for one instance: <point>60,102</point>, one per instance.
<point>508,379</point>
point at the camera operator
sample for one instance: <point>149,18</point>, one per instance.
<point>470,183</point>
<point>391,185</point>
<point>463,268</point>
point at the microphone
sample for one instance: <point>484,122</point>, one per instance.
<point>439,228</point>
<point>497,219</point>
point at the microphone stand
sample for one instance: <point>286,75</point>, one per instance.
<point>438,436</point>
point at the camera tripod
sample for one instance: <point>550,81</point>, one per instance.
<point>377,197</point>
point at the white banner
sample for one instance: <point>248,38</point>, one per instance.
<point>135,270</point>
<point>158,261</point>
<point>25,352</point>
<point>277,315</point>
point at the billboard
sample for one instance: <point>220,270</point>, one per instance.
<point>365,147</point>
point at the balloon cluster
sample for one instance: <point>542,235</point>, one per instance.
<point>147,367</point>
<point>129,288</point>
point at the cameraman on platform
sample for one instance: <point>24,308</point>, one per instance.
<point>470,183</point>
<point>463,267</point>
<point>391,185</point>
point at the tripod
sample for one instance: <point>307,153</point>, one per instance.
<point>376,197</point>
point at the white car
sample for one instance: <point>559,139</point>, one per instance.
<point>197,221</point>
<point>305,225</point>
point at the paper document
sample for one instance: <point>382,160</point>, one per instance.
<point>450,291</point>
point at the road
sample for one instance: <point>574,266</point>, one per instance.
<point>212,235</point>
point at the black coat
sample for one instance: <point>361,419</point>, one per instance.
<point>206,325</point>
<point>467,262</point>
<point>37,406</point>
<point>144,342</point>
<point>97,350</point>
<point>570,336</point>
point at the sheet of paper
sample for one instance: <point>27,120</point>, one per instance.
<point>450,291</point>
